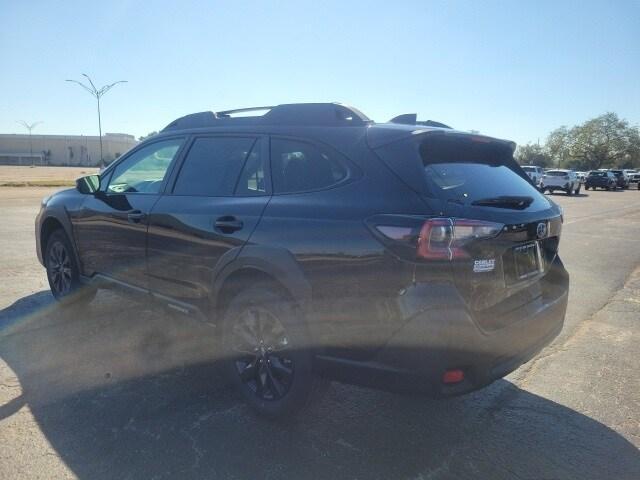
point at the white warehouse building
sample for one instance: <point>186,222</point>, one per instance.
<point>78,150</point>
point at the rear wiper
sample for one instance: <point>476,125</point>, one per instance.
<point>506,201</point>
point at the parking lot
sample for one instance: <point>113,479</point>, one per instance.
<point>121,391</point>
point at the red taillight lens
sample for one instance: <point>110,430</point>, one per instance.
<point>435,239</point>
<point>412,237</point>
<point>443,238</point>
<point>453,376</point>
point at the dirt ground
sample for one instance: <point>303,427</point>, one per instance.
<point>42,176</point>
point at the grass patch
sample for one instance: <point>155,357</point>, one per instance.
<point>39,183</point>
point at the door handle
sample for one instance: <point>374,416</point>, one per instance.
<point>228,224</point>
<point>135,216</point>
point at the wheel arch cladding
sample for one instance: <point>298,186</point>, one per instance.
<point>274,266</point>
<point>50,225</point>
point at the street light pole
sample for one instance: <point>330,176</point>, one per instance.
<point>97,93</point>
<point>30,127</point>
<point>100,133</point>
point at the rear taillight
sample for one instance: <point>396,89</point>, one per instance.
<point>439,238</point>
<point>444,238</point>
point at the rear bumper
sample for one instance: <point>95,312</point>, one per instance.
<point>564,186</point>
<point>439,339</point>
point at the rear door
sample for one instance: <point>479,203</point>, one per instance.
<point>213,203</point>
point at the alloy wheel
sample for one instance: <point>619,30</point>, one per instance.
<point>59,264</point>
<point>262,354</point>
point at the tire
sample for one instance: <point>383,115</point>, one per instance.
<point>608,189</point>
<point>63,273</point>
<point>577,192</point>
<point>268,353</point>
<point>568,191</point>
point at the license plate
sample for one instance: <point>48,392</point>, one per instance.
<point>527,260</point>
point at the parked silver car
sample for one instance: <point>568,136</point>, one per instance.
<point>565,180</point>
<point>535,173</point>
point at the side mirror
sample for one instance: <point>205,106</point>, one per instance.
<point>88,184</point>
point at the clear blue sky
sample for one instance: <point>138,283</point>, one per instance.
<point>511,69</point>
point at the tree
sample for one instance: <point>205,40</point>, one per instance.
<point>558,145</point>
<point>533,154</point>
<point>604,141</point>
<point>148,135</point>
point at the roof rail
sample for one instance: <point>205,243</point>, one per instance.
<point>301,114</point>
<point>228,113</point>
<point>412,119</point>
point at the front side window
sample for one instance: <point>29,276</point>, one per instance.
<point>301,167</point>
<point>212,166</point>
<point>145,170</point>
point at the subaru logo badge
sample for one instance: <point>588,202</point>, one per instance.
<point>541,230</point>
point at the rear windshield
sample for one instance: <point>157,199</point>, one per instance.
<point>459,168</point>
<point>529,169</point>
<point>598,174</point>
<point>555,173</point>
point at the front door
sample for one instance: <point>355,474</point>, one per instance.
<point>111,226</point>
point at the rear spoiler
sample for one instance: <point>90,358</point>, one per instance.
<point>412,119</point>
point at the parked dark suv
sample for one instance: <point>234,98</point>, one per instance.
<point>601,179</point>
<point>622,180</point>
<point>322,245</point>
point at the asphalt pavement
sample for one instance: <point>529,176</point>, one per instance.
<point>118,390</point>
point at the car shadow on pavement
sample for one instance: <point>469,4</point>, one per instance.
<point>122,391</point>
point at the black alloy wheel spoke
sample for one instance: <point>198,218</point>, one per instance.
<point>60,268</point>
<point>279,367</point>
<point>276,387</point>
<point>249,371</point>
<point>246,341</point>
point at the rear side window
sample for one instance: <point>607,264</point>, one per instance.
<point>300,167</point>
<point>212,166</point>
<point>252,181</point>
<point>457,168</point>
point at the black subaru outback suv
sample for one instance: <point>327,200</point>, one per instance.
<point>405,255</point>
